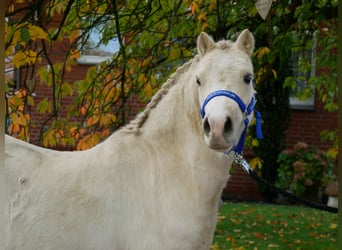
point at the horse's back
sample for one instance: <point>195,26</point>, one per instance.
<point>79,200</point>
<point>47,198</point>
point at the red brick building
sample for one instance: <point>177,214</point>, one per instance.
<point>306,124</point>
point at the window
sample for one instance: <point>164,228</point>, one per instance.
<point>303,67</point>
<point>94,51</point>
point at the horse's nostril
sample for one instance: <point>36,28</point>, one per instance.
<point>227,125</point>
<point>206,126</point>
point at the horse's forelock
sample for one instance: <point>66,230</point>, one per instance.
<point>223,45</point>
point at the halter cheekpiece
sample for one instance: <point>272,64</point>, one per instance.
<point>246,110</point>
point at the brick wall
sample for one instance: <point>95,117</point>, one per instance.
<point>306,126</point>
<point>42,91</point>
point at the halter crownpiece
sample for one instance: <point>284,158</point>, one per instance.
<point>245,110</point>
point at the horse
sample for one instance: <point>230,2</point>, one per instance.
<point>153,184</point>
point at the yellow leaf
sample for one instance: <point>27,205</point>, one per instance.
<point>332,152</point>
<point>37,33</point>
<point>148,91</point>
<point>19,59</point>
<point>255,142</point>
<point>15,118</point>
<point>202,17</point>
<point>22,120</point>
<point>68,67</point>
<point>75,54</point>
<point>193,8</point>
<point>204,26</point>
<point>73,35</point>
<point>259,53</point>
<point>23,57</point>
<point>256,163</point>
<point>274,74</point>
<point>30,100</point>
<point>73,130</point>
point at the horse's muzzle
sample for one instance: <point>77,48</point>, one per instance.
<point>218,132</point>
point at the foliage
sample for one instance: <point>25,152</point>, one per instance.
<point>18,114</point>
<point>302,167</point>
<point>320,37</point>
<point>260,226</point>
<point>289,28</point>
<point>154,38</point>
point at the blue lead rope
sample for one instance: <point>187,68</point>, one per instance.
<point>245,110</point>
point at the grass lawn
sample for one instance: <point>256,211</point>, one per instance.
<point>261,226</point>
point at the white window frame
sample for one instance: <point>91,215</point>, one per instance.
<point>308,103</point>
<point>95,36</point>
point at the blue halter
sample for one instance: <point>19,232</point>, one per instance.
<point>245,110</point>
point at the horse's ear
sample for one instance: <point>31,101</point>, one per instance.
<point>204,44</point>
<point>245,42</point>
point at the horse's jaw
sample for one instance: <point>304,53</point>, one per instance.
<point>219,148</point>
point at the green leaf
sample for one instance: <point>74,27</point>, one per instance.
<point>25,35</point>
<point>67,89</point>
<point>44,106</point>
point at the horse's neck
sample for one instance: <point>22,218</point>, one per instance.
<point>176,115</point>
<point>174,127</point>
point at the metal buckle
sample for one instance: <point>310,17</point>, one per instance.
<point>239,159</point>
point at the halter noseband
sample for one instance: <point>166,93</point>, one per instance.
<point>245,110</point>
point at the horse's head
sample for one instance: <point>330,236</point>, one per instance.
<point>224,75</point>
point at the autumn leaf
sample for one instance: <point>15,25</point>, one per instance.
<point>37,33</point>
<point>23,57</point>
<point>255,163</point>
<point>258,235</point>
<point>73,35</point>
<point>67,89</point>
<point>148,91</point>
<point>259,53</point>
<point>44,106</point>
<point>193,8</point>
<point>30,100</point>
<point>75,54</point>
<point>202,17</point>
<point>49,138</point>
<point>93,120</point>
<point>15,118</point>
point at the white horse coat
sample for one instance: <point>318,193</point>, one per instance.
<point>152,186</point>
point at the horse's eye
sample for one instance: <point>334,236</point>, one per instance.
<point>198,81</point>
<point>248,78</point>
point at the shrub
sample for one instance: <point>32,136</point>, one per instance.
<point>303,167</point>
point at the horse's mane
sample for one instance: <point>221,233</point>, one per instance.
<point>135,125</point>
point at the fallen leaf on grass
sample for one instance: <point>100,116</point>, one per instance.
<point>236,221</point>
<point>272,245</point>
<point>221,218</point>
<point>258,235</point>
<point>298,241</point>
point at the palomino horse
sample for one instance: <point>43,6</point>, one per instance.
<point>154,184</point>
